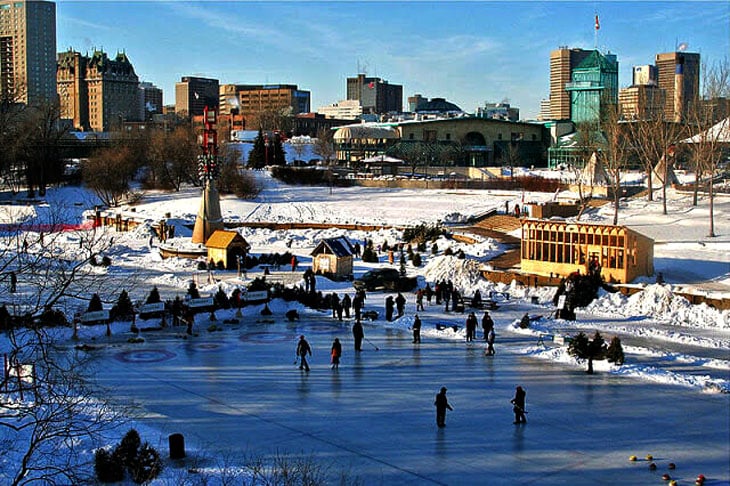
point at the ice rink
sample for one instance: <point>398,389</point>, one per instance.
<point>239,392</point>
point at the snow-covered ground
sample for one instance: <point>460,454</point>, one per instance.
<point>667,341</point>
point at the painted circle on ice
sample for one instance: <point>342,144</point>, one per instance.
<point>317,328</point>
<point>208,346</point>
<point>145,356</point>
<point>266,337</point>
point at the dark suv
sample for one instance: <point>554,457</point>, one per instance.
<point>383,278</point>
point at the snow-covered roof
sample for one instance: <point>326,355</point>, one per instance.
<point>719,132</point>
<point>339,246</point>
<point>364,131</point>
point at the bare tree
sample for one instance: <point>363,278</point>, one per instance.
<point>49,388</point>
<point>614,153</point>
<point>706,145</point>
<point>653,139</point>
<point>173,158</point>
<point>109,172</point>
<point>587,139</point>
<point>324,145</point>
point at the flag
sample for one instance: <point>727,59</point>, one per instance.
<point>371,85</point>
<point>682,47</point>
<point>197,96</point>
<point>598,25</point>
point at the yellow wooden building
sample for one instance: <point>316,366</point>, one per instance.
<point>226,246</point>
<point>561,248</point>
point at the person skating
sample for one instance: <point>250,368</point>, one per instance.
<point>490,343</point>
<point>389,308</point>
<point>302,350</point>
<point>334,303</point>
<point>519,406</point>
<point>442,403</point>
<point>346,303</point>
<point>357,304</point>
<point>471,327</point>
<point>416,329</point>
<point>419,300</point>
<point>400,304</point>
<point>336,352</point>
<point>487,324</point>
<point>358,333</point>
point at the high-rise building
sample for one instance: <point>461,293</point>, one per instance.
<point>27,51</point>
<point>643,75</point>
<point>641,102</point>
<point>150,101</point>
<point>678,74</point>
<point>375,95</point>
<point>562,63</point>
<point>254,100</point>
<point>342,110</point>
<point>97,92</point>
<point>594,86</point>
<point>193,94</point>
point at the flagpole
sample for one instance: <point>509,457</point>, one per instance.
<point>595,33</point>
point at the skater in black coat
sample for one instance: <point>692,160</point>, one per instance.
<point>400,303</point>
<point>416,329</point>
<point>519,406</point>
<point>442,403</point>
<point>358,333</point>
<point>302,350</point>
<point>389,308</point>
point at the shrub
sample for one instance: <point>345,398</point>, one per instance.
<point>416,260</point>
<point>106,261</point>
<point>108,467</point>
<point>202,266</point>
<point>421,247</point>
<point>124,305</point>
<point>128,447</point>
<point>448,251</point>
<point>434,249</point>
<point>369,255</point>
<point>147,464</point>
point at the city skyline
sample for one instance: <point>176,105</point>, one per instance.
<point>466,52</point>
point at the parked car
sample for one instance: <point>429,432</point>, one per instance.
<point>384,278</point>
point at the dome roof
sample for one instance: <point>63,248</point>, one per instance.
<point>437,105</point>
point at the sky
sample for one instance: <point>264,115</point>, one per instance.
<point>467,52</point>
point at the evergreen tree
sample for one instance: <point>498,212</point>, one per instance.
<point>434,249</point>
<point>257,156</point>
<point>124,305</point>
<point>279,156</point>
<point>154,296</point>
<point>615,352</point>
<point>193,291</point>
<point>417,260</point>
<point>95,304</point>
<point>402,269</point>
<point>583,348</point>
<point>221,299</point>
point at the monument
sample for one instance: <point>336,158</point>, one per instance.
<point>209,216</point>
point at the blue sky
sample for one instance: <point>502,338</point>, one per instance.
<point>466,52</point>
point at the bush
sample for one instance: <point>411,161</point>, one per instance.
<point>108,467</point>
<point>106,261</point>
<point>416,260</point>
<point>147,464</point>
<point>434,249</point>
<point>124,305</point>
<point>448,251</point>
<point>202,266</point>
<point>127,448</point>
<point>193,290</point>
<point>221,299</point>
<point>422,233</point>
<point>369,255</point>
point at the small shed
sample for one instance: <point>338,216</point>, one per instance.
<point>333,257</point>
<point>224,248</point>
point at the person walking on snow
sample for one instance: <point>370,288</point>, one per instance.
<point>519,406</point>
<point>442,403</point>
<point>294,263</point>
<point>419,300</point>
<point>302,350</point>
<point>336,352</point>
<point>346,303</point>
<point>471,327</point>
